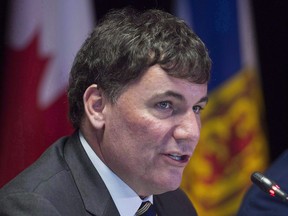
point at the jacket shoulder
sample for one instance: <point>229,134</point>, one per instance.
<point>47,183</point>
<point>24,204</point>
<point>47,166</point>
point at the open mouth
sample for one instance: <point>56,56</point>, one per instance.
<point>180,158</point>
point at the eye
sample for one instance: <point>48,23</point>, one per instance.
<point>164,109</point>
<point>197,109</point>
<point>164,105</point>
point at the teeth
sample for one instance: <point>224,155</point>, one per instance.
<point>176,157</point>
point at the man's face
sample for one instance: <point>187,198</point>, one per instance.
<point>151,132</point>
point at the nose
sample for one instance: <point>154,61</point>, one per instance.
<point>188,127</point>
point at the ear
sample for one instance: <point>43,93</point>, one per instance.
<point>94,104</point>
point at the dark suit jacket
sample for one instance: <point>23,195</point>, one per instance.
<point>258,203</point>
<point>63,181</point>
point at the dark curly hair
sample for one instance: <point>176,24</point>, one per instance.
<point>125,44</point>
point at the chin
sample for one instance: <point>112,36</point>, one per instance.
<point>168,185</point>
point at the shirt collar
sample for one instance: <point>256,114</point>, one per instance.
<point>120,192</point>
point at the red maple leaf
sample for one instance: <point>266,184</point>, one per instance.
<point>27,130</point>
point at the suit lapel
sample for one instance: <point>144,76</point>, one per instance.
<point>95,196</point>
<point>160,208</point>
<point>173,203</point>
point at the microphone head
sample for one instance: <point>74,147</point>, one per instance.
<point>256,177</point>
<point>261,181</point>
<point>268,186</point>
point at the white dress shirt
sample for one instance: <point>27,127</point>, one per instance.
<point>125,199</point>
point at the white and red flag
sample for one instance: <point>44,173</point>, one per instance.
<point>42,40</point>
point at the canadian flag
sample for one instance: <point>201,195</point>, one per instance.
<point>43,38</point>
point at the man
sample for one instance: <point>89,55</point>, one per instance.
<point>136,90</point>
<point>257,202</point>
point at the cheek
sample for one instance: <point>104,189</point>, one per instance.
<point>135,129</point>
<point>140,141</point>
<point>133,139</point>
<point>139,126</point>
<point>145,135</point>
<point>130,130</point>
<point>145,128</point>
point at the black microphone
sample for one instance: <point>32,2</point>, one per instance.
<point>268,186</point>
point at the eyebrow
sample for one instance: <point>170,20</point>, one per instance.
<point>180,97</point>
<point>203,99</point>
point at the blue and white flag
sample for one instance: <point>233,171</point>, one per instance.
<point>232,144</point>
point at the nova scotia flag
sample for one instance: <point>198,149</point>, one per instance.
<point>232,144</point>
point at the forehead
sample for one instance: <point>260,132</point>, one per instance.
<point>156,82</point>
